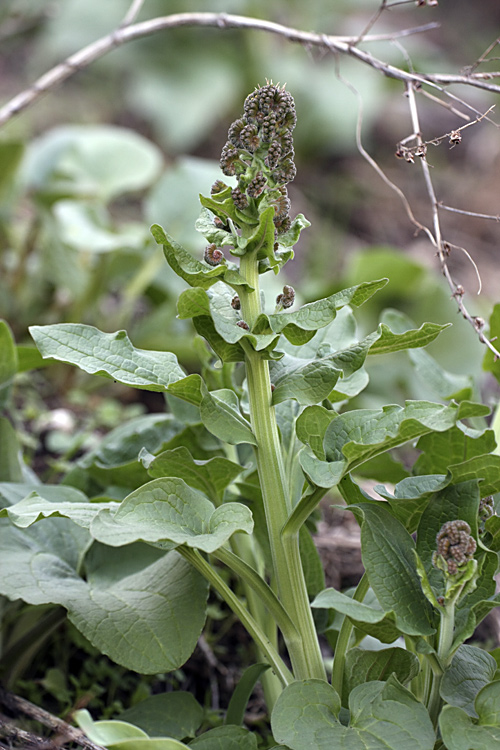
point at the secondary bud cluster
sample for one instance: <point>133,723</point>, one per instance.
<point>259,150</point>
<point>287,297</point>
<point>455,545</point>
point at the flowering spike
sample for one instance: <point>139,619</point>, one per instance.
<point>455,546</point>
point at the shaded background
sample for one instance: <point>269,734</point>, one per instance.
<point>75,247</point>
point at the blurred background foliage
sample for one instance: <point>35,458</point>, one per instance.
<point>133,139</point>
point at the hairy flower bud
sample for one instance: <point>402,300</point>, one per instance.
<point>256,186</point>
<point>486,508</point>
<point>259,149</point>
<point>455,545</point>
<point>213,255</point>
<point>239,198</point>
<point>218,187</point>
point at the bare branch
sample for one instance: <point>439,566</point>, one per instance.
<point>484,57</point>
<point>132,13</point>
<point>442,247</point>
<point>494,217</point>
<point>128,33</point>
<point>65,732</point>
<point>371,161</point>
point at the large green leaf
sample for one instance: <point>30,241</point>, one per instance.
<point>362,666</point>
<point>221,415</point>
<point>217,320</point>
<point>225,738</point>
<point>311,427</point>
<point>300,325</point>
<point>99,161</point>
<point>142,608</point>
<point>357,436</point>
<point>388,557</point>
<point>175,714</point>
<point>115,461</point>
<point>109,354</point>
<point>168,510</point>
<point>306,382</point>
<point>193,271</point>
<point>120,735</point>
<point>89,228</point>
<point>388,341</point>
<point>470,670</point>
<point>58,501</point>
<point>311,380</point>
<point>205,327</point>
<point>210,477</point>
<point>383,715</point>
<point>369,618</point>
<point>460,732</point>
<point>440,450</point>
<point>362,434</point>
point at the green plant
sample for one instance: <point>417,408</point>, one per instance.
<point>137,531</point>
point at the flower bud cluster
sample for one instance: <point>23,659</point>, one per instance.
<point>455,545</point>
<point>486,508</point>
<point>286,298</point>
<point>213,255</point>
<point>259,150</point>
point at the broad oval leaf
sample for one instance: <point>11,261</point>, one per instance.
<point>142,608</point>
<point>383,715</point>
<point>168,510</point>
<point>228,737</point>
<point>109,354</point>
<point>177,714</point>
<point>388,557</point>
<point>363,666</point>
<point>222,417</point>
<point>470,670</point>
<point>210,477</point>
<point>459,731</point>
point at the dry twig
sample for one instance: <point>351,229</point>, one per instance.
<point>64,732</point>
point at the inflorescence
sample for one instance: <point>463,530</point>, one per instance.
<point>455,545</point>
<point>259,151</point>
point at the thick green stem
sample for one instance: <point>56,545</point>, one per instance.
<point>344,638</point>
<point>265,594</point>
<point>253,628</point>
<point>306,656</point>
<point>247,552</point>
<point>446,628</point>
